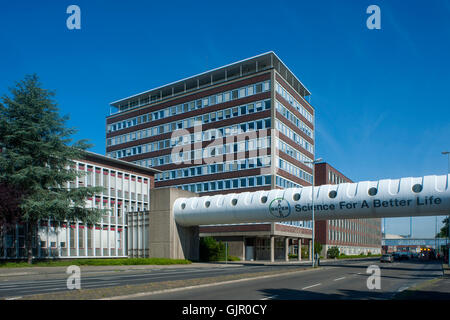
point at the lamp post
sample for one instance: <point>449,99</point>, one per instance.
<point>312,204</point>
<point>448,222</point>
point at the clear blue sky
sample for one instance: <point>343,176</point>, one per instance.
<point>381,96</point>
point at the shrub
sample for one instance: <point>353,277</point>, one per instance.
<point>333,252</point>
<point>211,250</point>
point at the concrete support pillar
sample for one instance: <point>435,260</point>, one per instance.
<point>167,239</point>
<point>272,248</point>
<point>286,249</point>
<point>299,256</point>
<point>310,250</point>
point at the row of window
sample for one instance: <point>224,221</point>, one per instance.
<point>285,183</point>
<point>280,126</point>
<point>192,105</point>
<point>292,118</point>
<point>227,166</point>
<point>244,182</point>
<point>293,102</point>
<point>200,136</point>
<point>335,235</point>
<point>214,151</point>
<point>334,178</point>
<point>294,170</point>
<point>362,225</point>
<point>286,148</point>
<point>191,122</point>
<point>304,224</point>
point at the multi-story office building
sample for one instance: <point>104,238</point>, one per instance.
<point>126,189</point>
<point>245,126</point>
<point>351,236</point>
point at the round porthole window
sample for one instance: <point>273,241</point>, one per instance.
<point>373,191</point>
<point>234,202</point>
<point>296,196</point>
<point>183,205</point>
<point>207,204</point>
<point>263,199</point>
<point>332,194</point>
<point>417,188</point>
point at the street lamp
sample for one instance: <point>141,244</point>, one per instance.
<point>312,203</point>
<point>448,223</point>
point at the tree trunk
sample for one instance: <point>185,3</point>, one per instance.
<point>29,241</point>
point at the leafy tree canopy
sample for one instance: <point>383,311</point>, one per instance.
<point>36,159</point>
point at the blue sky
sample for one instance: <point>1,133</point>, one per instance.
<point>381,96</point>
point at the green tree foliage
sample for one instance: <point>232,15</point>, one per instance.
<point>444,230</point>
<point>36,161</point>
<point>333,252</point>
<point>317,247</point>
<point>211,250</point>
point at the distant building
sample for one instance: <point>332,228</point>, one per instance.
<point>351,236</point>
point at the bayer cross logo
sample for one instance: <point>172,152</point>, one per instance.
<point>280,208</point>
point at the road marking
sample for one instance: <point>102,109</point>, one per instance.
<point>314,285</point>
<point>13,298</point>
<point>339,279</point>
<point>269,298</point>
<point>402,289</point>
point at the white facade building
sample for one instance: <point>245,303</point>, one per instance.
<point>127,189</point>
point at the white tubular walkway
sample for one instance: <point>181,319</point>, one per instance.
<point>405,197</point>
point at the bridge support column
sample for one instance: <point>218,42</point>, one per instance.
<point>272,248</point>
<point>299,253</point>
<point>310,250</point>
<point>167,239</point>
<point>286,249</point>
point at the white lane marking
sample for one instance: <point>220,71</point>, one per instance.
<point>269,298</point>
<point>13,298</point>
<point>314,285</point>
<point>339,279</point>
<point>402,288</point>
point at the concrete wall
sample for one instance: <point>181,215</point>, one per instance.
<point>166,238</point>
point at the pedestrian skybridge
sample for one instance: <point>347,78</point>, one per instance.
<point>405,197</point>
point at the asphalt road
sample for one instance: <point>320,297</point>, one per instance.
<point>57,282</point>
<point>335,280</point>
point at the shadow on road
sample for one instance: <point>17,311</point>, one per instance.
<point>291,294</point>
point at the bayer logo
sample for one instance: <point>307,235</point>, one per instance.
<point>280,208</point>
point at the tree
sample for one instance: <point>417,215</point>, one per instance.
<point>317,247</point>
<point>333,252</point>
<point>36,161</point>
<point>211,250</point>
<point>444,230</point>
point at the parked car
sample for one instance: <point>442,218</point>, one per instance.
<point>387,258</point>
<point>404,256</point>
